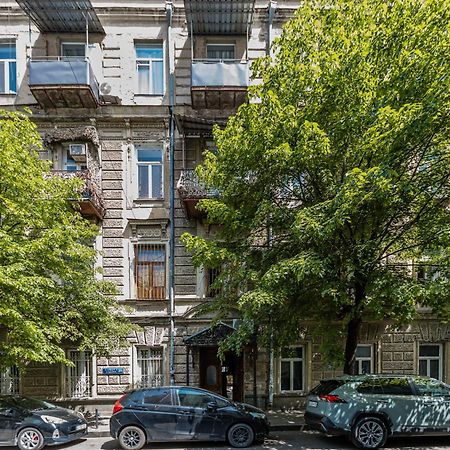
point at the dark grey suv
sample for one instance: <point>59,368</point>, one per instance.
<point>184,413</point>
<point>370,408</point>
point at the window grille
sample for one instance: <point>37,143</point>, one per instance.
<point>150,271</point>
<point>150,367</point>
<point>212,276</point>
<point>79,377</point>
<point>9,381</point>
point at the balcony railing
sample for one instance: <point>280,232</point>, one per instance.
<point>64,83</point>
<point>91,203</point>
<point>218,84</point>
<point>191,190</point>
<point>78,387</point>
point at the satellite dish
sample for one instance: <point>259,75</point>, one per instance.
<point>105,88</point>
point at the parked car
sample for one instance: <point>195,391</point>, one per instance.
<point>184,413</point>
<point>30,423</point>
<point>370,408</point>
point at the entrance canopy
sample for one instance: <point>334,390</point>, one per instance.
<point>211,336</point>
<point>62,16</point>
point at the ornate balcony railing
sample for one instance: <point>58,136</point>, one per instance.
<point>78,387</point>
<point>190,187</point>
<point>91,202</point>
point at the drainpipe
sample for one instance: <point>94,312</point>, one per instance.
<point>272,11</point>
<point>171,306</point>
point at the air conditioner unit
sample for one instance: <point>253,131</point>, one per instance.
<point>78,152</point>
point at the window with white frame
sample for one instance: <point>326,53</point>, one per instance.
<point>79,376</point>
<point>220,51</point>
<point>149,367</point>
<point>9,381</point>
<point>150,68</point>
<point>364,359</point>
<point>150,271</point>
<point>292,376</point>
<point>8,71</point>
<point>430,360</point>
<point>150,172</point>
<point>73,50</point>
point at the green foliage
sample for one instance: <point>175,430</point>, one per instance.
<point>335,177</point>
<point>50,294</point>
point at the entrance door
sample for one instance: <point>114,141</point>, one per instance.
<point>226,379</point>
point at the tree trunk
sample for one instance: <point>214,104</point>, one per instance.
<point>350,345</point>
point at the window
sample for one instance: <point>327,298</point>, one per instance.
<point>364,359</point>
<point>9,381</point>
<point>79,377</point>
<point>194,399</point>
<point>70,164</point>
<point>150,271</point>
<point>430,360</point>
<point>212,275</point>
<point>73,50</point>
<point>385,386</point>
<point>430,387</point>
<point>158,397</point>
<point>220,51</point>
<point>149,367</point>
<point>8,74</point>
<point>150,68</point>
<point>292,370</point>
<point>150,173</point>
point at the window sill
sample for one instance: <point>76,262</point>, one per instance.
<point>8,94</point>
<point>147,301</point>
<point>148,201</point>
<point>149,95</point>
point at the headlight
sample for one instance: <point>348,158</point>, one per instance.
<point>256,415</point>
<point>52,419</point>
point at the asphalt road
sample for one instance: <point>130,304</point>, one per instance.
<point>283,440</point>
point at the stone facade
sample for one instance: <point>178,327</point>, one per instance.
<point>125,121</point>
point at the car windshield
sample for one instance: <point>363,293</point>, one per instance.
<point>31,404</point>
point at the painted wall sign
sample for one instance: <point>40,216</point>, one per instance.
<point>113,370</point>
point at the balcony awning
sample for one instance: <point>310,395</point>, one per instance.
<point>196,127</point>
<point>219,16</point>
<point>62,16</point>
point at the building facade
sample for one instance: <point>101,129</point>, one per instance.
<point>125,94</point>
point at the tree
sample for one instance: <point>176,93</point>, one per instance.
<point>334,179</point>
<point>50,294</point>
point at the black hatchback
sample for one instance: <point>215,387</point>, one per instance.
<point>30,423</point>
<point>184,413</point>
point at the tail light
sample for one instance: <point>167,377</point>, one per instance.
<point>118,406</point>
<point>332,398</point>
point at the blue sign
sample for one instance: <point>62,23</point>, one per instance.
<point>112,370</point>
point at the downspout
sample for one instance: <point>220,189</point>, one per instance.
<point>272,10</point>
<point>171,306</point>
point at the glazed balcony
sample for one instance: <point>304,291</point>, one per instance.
<point>91,202</point>
<point>64,83</point>
<point>191,190</point>
<point>218,84</point>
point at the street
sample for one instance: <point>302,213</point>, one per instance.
<point>282,440</point>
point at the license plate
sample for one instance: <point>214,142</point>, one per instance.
<point>80,427</point>
<point>312,403</point>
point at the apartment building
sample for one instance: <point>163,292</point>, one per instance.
<point>125,94</point>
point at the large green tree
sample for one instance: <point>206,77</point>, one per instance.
<point>50,294</point>
<point>335,177</point>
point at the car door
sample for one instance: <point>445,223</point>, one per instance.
<point>433,404</point>
<point>156,412</point>
<point>9,421</point>
<point>196,415</point>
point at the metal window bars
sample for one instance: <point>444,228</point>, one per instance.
<point>9,381</point>
<point>79,376</point>
<point>150,271</point>
<point>150,365</point>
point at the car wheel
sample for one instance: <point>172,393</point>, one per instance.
<point>240,435</point>
<point>369,432</point>
<point>132,438</point>
<point>30,439</point>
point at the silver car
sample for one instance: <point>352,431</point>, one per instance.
<point>370,408</point>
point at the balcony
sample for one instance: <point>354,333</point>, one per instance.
<point>218,84</point>
<point>91,202</point>
<point>191,190</point>
<point>64,83</point>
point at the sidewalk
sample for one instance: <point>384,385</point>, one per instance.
<point>279,421</point>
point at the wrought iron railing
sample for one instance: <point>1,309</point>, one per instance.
<point>9,383</point>
<point>90,191</point>
<point>189,186</point>
<point>78,387</point>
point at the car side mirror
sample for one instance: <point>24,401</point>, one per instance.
<point>211,406</point>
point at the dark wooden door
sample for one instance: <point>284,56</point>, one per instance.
<point>210,370</point>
